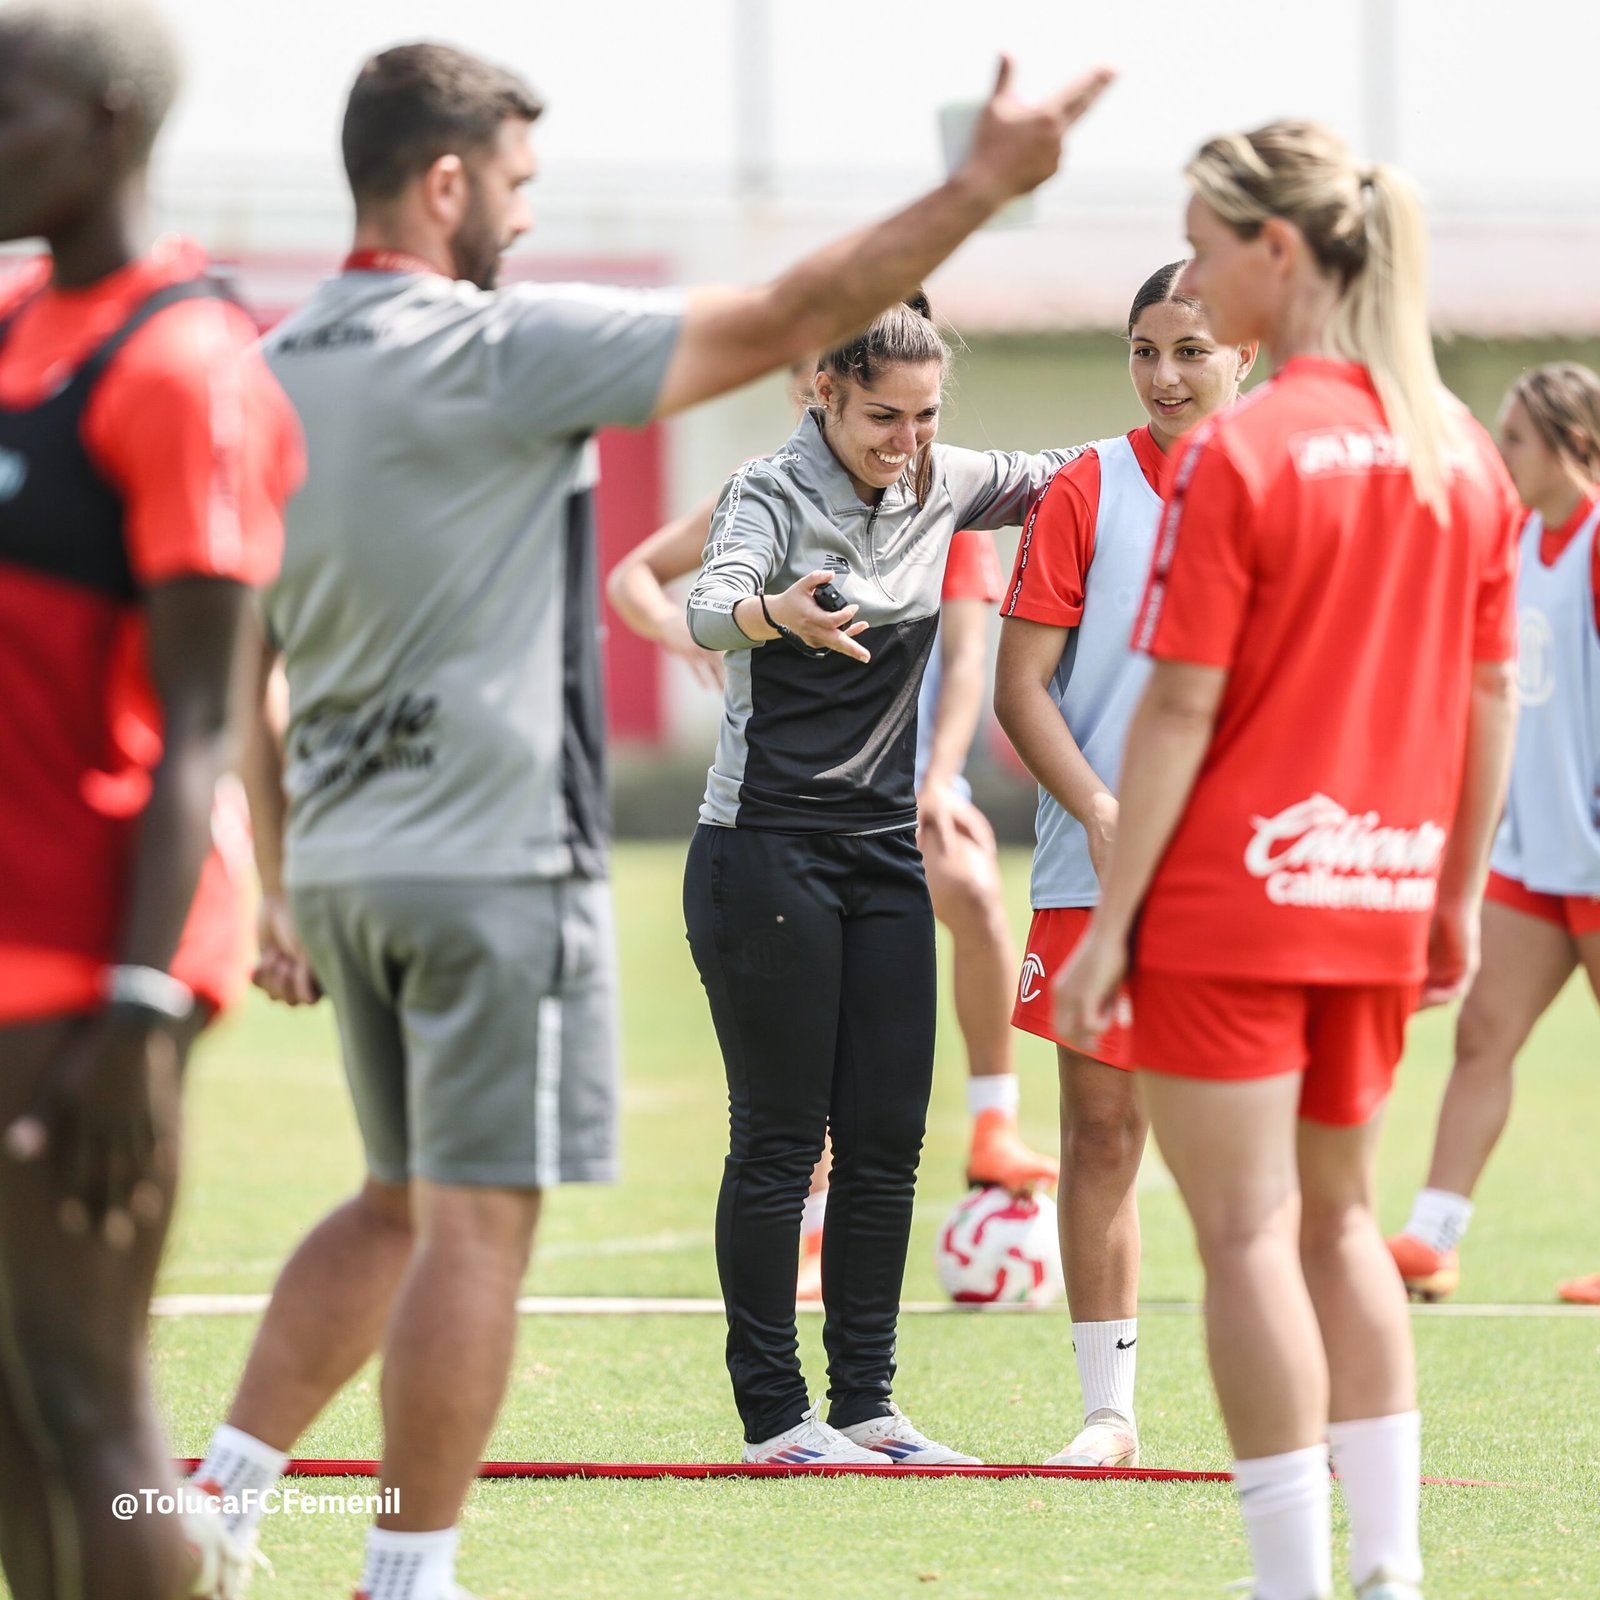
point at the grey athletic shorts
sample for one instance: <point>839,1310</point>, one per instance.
<point>478,1020</point>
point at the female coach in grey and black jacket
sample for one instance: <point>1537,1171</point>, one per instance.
<point>807,909</point>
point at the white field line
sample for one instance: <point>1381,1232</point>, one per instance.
<point>656,1244</point>
<point>653,1244</point>
<point>245,1305</point>
<point>1152,1176</point>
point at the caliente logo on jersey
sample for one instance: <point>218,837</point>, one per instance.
<point>1315,853</point>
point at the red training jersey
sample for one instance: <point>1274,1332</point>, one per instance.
<point>1051,572</point>
<point>1295,553</point>
<point>972,568</point>
<point>186,452</point>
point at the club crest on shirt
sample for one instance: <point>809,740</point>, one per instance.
<point>13,473</point>
<point>1315,853</point>
<point>1536,678</point>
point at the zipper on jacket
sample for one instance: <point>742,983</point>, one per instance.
<point>872,554</point>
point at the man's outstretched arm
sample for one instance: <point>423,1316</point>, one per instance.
<point>732,336</point>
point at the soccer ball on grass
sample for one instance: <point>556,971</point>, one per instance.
<point>996,1247</point>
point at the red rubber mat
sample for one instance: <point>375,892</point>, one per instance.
<point>333,1468</point>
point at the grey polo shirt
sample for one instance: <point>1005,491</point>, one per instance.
<point>437,609</point>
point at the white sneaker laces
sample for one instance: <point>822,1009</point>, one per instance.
<point>901,1428</point>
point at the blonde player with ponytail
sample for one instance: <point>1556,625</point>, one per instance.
<point>1309,790</point>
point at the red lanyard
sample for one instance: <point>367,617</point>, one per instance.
<point>388,261</point>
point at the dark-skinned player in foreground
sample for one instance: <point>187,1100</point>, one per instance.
<point>145,455</point>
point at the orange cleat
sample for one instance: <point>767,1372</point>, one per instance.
<point>1428,1274</point>
<point>999,1157</point>
<point>808,1285</point>
<point>1581,1291</point>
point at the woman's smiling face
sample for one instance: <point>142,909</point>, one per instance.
<point>1180,373</point>
<point>875,430</point>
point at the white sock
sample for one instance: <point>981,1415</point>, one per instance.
<point>999,1092</point>
<point>1439,1219</point>
<point>409,1566</point>
<point>1379,1462</point>
<point>1106,1362</point>
<point>242,1466</point>
<point>813,1212</point>
<point>1288,1518</point>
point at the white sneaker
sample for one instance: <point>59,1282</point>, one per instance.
<point>224,1562</point>
<point>811,1443</point>
<point>893,1436</point>
<point>1108,1439</point>
<point>1385,1585</point>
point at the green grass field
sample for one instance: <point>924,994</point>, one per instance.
<point>272,1145</point>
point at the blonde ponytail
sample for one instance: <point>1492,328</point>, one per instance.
<point>1366,228</point>
<point>1382,322</point>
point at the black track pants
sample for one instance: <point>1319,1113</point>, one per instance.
<point>817,955</point>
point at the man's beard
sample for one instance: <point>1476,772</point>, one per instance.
<point>476,261</point>
<point>474,250</point>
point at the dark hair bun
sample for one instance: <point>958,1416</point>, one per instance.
<point>1159,287</point>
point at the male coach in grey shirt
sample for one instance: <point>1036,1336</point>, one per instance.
<point>446,833</point>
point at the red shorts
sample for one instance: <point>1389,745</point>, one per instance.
<point>1052,936</point>
<point>212,958</point>
<point>1346,1038</point>
<point>1577,913</point>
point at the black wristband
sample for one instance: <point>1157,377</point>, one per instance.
<point>789,636</point>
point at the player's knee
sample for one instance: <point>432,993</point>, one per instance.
<point>1485,1044</point>
<point>885,1153</point>
<point>967,900</point>
<point>1242,1235</point>
<point>776,1162</point>
<point>1106,1140</point>
<point>482,1223</point>
<point>1329,1224</point>
<point>84,1407</point>
<point>386,1207</point>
